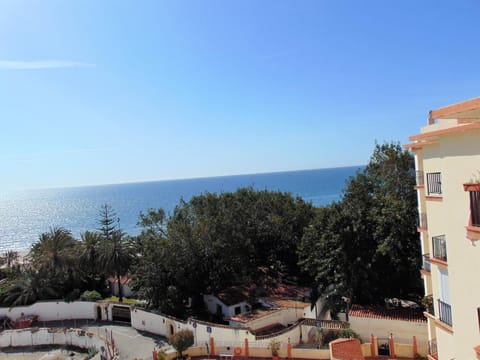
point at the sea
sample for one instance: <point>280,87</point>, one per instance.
<point>24,215</point>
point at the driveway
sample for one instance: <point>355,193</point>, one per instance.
<point>130,343</point>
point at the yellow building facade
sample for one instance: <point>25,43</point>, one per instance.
<point>447,159</point>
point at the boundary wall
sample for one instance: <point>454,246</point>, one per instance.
<point>209,338</point>
<point>53,310</point>
<point>59,336</point>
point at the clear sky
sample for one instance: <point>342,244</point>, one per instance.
<point>96,92</point>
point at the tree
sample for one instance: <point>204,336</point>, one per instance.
<point>181,340</point>
<point>54,250</point>
<point>151,275</point>
<point>220,240</point>
<point>55,256</point>
<point>89,260</point>
<point>115,253</point>
<point>27,288</point>
<point>366,247</point>
<point>107,220</point>
<point>10,258</point>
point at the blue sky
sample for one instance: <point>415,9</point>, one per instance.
<point>97,92</point>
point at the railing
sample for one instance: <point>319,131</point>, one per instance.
<point>419,177</point>
<point>426,262</point>
<point>445,312</point>
<point>434,183</point>
<point>440,247</point>
<point>422,221</point>
<point>326,324</point>
<point>432,348</point>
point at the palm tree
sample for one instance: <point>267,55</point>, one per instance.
<point>89,258</point>
<point>10,258</point>
<point>116,256</point>
<point>55,256</point>
<point>55,250</point>
<point>26,289</point>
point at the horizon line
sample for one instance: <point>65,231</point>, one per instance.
<point>179,179</point>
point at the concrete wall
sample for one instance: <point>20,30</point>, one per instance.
<point>225,336</point>
<point>401,330</point>
<point>43,336</point>
<point>53,310</point>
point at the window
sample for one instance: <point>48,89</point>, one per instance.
<point>439,247</point>
<point>434,183</point>
<point>475,207</point>
<point>444,307</point>
<point>238,310</point>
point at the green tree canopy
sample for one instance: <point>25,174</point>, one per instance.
<point>366,247</point>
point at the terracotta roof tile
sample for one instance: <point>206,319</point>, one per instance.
<point>376,312</point>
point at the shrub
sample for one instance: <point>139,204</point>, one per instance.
<point>348,333</point>
<point>90,296</point>
<point>181,340</point>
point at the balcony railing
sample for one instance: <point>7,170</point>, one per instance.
<point>432,348</point>
<point>434,183</point>
<point>426,262</point>
<point>445,312</point>
<point>419,178</point>
<point>440,247</point>
<point>422,221</point>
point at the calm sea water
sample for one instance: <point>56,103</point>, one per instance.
<point>25,215</point>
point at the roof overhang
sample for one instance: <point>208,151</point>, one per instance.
<point>467,110</point>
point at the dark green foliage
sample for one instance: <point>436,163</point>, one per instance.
<point>216,241</point>
<point>366,247</point>
<point>114,251</point>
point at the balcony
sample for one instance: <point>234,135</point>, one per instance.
<point>434,184</point>
<point>445,312</point>
<point>439,248</point>
<point>426,263</point>
<point>432,349</point>
<point>419,178</point>
<point>422,222</point>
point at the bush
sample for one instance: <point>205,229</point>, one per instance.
<point>181,340</point>
<point>91,296</point>
<point>331,335</point>
<point>348,333</point>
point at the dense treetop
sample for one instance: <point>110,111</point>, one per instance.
<point>364,247</point>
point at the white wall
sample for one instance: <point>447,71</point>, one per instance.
<point>53,310</point>
<point>402,331</point>
<point>48,336</point>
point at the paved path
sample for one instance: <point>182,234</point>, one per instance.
<point>131,343</point>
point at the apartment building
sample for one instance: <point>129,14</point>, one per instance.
<point>447,155</point>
